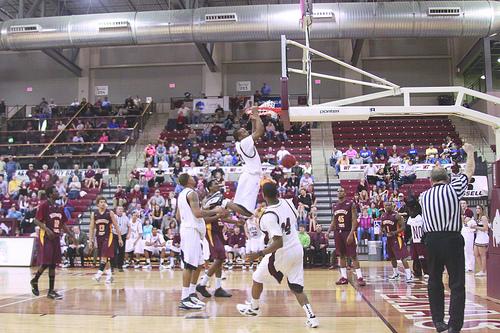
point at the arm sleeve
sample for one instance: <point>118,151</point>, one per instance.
<point>270,223</point>
<point>459,184</point>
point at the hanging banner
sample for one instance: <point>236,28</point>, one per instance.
<point>478,187</point>
<point>210,104</point>
<point>101,90</point>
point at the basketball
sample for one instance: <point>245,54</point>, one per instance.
<point>288,161</point>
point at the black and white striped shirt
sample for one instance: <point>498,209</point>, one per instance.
<point>441,205</point>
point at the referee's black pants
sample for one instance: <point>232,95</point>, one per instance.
<point>446,249</point>
<point>117,261</point>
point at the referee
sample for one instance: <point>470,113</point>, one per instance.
<point>444,242</point>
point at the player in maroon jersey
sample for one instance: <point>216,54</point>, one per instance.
<point>345,224</point>
<point>215,238</point>
<point>51,219</point>
<point>102,219</point>
<point>393,225</point>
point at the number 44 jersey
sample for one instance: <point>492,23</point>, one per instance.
<point>281,220</point>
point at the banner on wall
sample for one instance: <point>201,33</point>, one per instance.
<point>16,251</point>
<point>62,173</point>
<point>478,187</point>
<point>243,86</point>
<point>210,104</point>
<point>101,90</point>
<point>418,167</point>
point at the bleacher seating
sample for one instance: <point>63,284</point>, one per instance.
<point>419,186</point>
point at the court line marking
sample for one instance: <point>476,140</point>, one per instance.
<point>64,291</point>
<point>378,313</point>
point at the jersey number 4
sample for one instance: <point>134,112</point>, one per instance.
<point>286,226</point>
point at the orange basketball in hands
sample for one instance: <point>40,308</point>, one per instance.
<point>288,161</point>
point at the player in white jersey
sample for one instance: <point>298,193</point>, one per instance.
<point>418,250</point>
<point>249,181</point>
<point>134,244</point>
<point>192,231</point>
<point>283,256</point>
<point>155,245</point>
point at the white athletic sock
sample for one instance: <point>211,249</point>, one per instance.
<point>172,261</point>
<point>148,261</point>
<point>343,272</point>
<point>359,273</point>
<point>204,280</point>
<point>161,261</point>
<point>192,288</point>
<point>254,304</point>
<point>99,273</point>
<point>395,270</point>
<point>309,312</point>
<point>185,292</point>
<point>108,272</point>
<point>218,283</point>
<point>408,273</point>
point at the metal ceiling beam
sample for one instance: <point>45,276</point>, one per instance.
<point>2,3</point>
<point>357,46</point>
<point>33,8</point>
<point>4,15</point>
<point>103,7</point>
<point>470,56</point>
<point>62,60</point>
<point>131,4</point>
<point>207,56</point>
<point>20,11</point>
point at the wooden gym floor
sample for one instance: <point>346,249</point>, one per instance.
<point>146,301</point>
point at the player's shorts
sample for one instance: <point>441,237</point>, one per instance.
<point>49,250</point>
<point>418,251</point>
<point>341,247</point>
<point>171,248</point>
<point>282,264</point>
<point>216,246</point>
<point>396,248</point>
<point>153,251</point>
<point>206,249</point>
<point>106,246</point>
<point>137,248</point>
<point>255,244</point>
<point>247,191</point>
<point>191,248</point>
<point>239,251</point>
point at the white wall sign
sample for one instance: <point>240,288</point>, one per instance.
<point>16,251</point>
<point>210,104</point>
<point>101,90</point>
<point>243,86</point>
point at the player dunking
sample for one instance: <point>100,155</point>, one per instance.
<point>344,225</point>
<point>283,256</point>
<point>392,226</point>
<point>102,219</point>
<point>51,219</point>
<point>192,231</point>
<point>248,183</point>
<point>215,238</point>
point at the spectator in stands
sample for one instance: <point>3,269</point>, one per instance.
<point>106,105</point>
<point>74,188</point>
<point>14,186</point>
<point>77,138</point>
<point>306,199</point>
<point>4,229</point>
<point>395,178</point>
<point>394,150</point>
<point>281,153</point>
<point>366,155</point>
<point>219,113</point>
<point>381,153</point>
<point>381,178</point>
<point>298,170</point>
<point>113,124</point>
<point>89,177</point>
<point>236,245</point>
<point>196,116</point>
<point>305,241</point>
<point>120,197</point>
<point>144,185</point>
<point>22,203</point>
<point>13,213</point>
<point>265,90</point>
<point>318,246</point>
<point>431,154</point>
<point>277,173</point>
<point>104,138</point>
<point>229,121</point>
<point>293,183</point>
<point>10,167</point>
<point>357,159</point>
<point>2,166</point>
<point>308,168</point>
<point>409,173</point>
<point>77,249</point>
<point>365,224</point>
<point>306,181</point>
<point>160,153</point>
<point>137,102</point>
<point>351,153</point>
<point>370,173</point>
<point>3,108</point>
<point>394,159</point>
<point>150,150</point>
<point>456,154</point>
<point>184,112</point>
<point>270,157</point>
<point>217,133</point>
<point>336,156</point>
<point>343,161</point>
<point>449,142</point>
<point>413,153</point>
<point>270,131</point>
